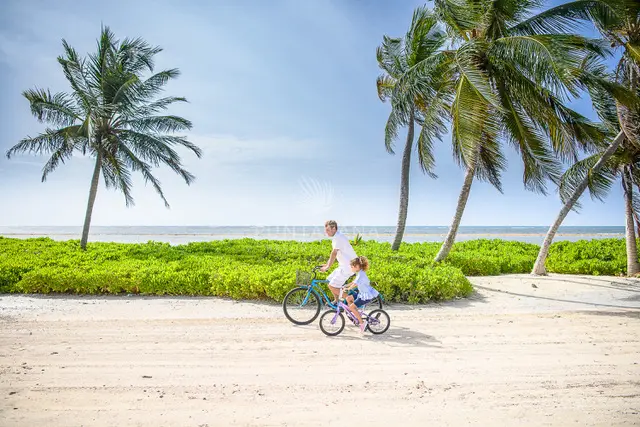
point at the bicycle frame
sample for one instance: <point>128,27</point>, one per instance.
<point>348,312</point>
<point>321,294</point>
<point>317,289</point>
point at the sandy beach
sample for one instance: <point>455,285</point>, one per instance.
<point>560,350</point>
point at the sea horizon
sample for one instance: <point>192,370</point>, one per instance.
<point>184,234</point>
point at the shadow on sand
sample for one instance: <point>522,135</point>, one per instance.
<point>517,294</point>
<point>631,314</point>
<point>619,284</point>
<point>396,336</point>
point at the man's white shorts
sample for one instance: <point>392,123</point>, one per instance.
<point>338,277</point>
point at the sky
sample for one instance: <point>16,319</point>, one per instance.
<point>283,99</point>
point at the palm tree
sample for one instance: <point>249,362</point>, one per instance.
<point>112,115</point>
<point>619,24</point>
<point>624,164</point>
<point>512,79</point>
<point>414,83</point>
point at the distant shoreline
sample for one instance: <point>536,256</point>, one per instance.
<point>414,234</point>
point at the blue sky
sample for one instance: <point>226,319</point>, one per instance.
<point>283,100</point>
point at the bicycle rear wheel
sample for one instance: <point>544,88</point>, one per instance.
<point>331,323</point>
<point>378,322</point>
<point>376,302</point>
<point>301,306</point>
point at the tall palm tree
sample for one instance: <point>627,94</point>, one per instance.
<point>512,79</point>
<point>112,115</point>
<point>619,24</point>
<point>624,165</point>
<point>414,83</point>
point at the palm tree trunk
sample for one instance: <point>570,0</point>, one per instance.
<point>637,219</point>
<point>539,268</point>
<point>462,203</point>
<point>404,188</point>
<point>633,267</point>
<point>92,198</point>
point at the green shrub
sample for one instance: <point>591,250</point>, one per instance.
<point>592,257</point>
<point>254,269</point>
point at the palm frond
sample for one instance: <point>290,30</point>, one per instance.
<point>158,124</point>
<point>385,85</point>
<point>390,56</point>
<point>539,162</point>
<point>426,157</point>
<point>459,16</point>
<point>47,142</point>
<point>150,108</point>
<point>57,109</point>
<point>136,56</point>
<point>77,75</point>
<point>467,62</point>
<point>547,60</point>
<point>501,14</point>
<point>139,166</point>
<point>491,161</point>
<point>116,174</point>
<point>599,182</point>
<point>472,117</point>
<point>566,17</point>
<point>424,38</point>
<point>391,131</point>
<point>633,50</point>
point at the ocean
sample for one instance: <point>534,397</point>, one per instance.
<point>184,234</point>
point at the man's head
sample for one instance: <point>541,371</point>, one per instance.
<point>330,227</point>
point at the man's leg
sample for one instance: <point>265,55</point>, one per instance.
<point>337,279</point>
<point>335,292</point>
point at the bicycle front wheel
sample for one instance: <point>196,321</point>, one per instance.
<point>378,322</point>
<point>301,306</point>
<point>331,323</point>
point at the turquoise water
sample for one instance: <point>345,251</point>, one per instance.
<point>185,234</point>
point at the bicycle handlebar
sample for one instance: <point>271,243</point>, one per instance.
<point>315,271</point>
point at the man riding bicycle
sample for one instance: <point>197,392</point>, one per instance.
<point>344,253</point>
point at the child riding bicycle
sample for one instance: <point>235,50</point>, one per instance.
<point>364,294</point>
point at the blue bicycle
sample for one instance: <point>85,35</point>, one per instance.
<point>303,303</point>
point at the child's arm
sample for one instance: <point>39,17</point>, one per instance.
<point>353,284</point>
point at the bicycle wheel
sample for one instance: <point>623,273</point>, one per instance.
<point>331,323</point>
<point>378,322</point>
<point>376,302</point>
<point>300,308</point>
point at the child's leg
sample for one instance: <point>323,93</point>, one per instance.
<point>355,311</point>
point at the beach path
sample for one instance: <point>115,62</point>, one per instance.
<point>558,350</point>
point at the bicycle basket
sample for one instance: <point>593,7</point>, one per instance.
<point>303,278</point>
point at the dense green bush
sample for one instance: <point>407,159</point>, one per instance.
<point>594,257</point>
<point>247,268</point>
<point>243,268</point>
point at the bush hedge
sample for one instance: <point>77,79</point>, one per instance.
<point>255,269</point>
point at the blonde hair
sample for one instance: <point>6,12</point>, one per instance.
<point>331,223</point>
<point>361,262</point>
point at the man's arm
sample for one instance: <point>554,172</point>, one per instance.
<point>332,259</point>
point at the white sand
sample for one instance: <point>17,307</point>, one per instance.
<point>564,353</point>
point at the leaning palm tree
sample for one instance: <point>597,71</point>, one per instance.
<point>619,24</point>
<point>416,87</point>
<point>113,115</point>
<point>512,81</point>
<point>623,165</point>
